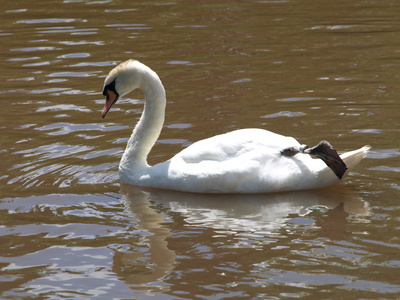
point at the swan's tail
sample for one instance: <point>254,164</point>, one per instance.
<point>352,158</point>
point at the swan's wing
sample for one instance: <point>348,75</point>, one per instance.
<point>235,144</point>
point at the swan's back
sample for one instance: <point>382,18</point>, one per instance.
<point>235,144</point>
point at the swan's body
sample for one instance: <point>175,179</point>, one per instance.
<point>241,161</point>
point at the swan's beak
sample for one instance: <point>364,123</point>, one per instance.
<point>110,100</point>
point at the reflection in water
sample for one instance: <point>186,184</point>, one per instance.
<point>160,263</point>
<point>227,214</point>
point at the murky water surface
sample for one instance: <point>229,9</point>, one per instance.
<point>310,69</point>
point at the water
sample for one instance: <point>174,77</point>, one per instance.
<point>312,70</point>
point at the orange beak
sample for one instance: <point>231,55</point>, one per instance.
<point>110,100</point>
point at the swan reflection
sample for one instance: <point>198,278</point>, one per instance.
<point>230,213</point>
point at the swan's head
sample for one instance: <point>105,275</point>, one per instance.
<point>121,80</point>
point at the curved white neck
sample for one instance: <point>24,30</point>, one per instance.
<point>149,127</point>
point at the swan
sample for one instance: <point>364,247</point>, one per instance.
<point>242,161</point>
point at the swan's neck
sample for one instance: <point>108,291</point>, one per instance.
<point>148,129</point>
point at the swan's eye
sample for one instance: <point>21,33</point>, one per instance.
<point>110,88</point>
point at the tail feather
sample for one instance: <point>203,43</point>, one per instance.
<point>352,158</point>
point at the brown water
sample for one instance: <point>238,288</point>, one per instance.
<point>309,69</point>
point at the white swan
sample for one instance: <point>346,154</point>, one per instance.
<point>241,161</point>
